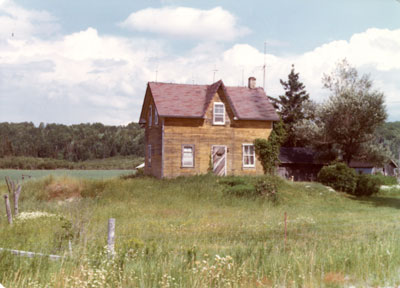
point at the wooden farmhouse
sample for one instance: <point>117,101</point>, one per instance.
<point>195,129</point>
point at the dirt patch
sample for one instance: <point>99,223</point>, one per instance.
<point>334,279</point>
<point>64,189</point>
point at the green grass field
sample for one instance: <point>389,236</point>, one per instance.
<point>15,174</point>
<point>36,163</point>
<point>187,232</point>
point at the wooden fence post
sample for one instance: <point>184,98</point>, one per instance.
<point>70,248</point>
<point>111,236</point>
<point>285,229</point>
<point>8,208</point>
<point>15,190</point>
<point>16,198</point>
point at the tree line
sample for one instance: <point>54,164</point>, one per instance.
<point>70,142</point>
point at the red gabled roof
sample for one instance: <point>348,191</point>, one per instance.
<point>191,101</point>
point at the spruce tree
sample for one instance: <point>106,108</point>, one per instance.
<point>291,106</point>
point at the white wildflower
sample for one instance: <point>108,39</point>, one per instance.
<point>23,216</point>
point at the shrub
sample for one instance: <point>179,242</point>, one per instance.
<point>339,176</point>
<point>233,181</point>
<point>268,150</point>
<point>367,185</point>
<point>385,180</point>
<point>267,189</point>
<point>265,186</point>
<point>241,190</point>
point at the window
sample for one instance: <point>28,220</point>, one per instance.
<point>248,155</point>
<point>219,113</point>
<point>149,154</point>
<point>187,155</point>
<point>150,115</point>
<point>155,116</point>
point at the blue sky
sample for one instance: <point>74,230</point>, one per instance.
<point>89,61</point>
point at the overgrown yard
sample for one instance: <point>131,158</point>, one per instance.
<point>16,174</point>
<point>187,232</point>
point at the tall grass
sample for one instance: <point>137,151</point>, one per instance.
<point>187,232</point>
<point>86,174</point>
<point>36,163</point>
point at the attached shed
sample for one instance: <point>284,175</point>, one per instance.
<point>299,162</point>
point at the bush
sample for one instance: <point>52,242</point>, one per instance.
<point>367,185</point>
<point>241,190</point>
<point>385,180</point>
<point>265,186</point>
<point>339,176</point>
<point>233,181</point>
<point>267,189</point>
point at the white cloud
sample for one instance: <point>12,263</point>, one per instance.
<point>82,77</point>
<point>20,23</point>
<point>375,52</point>
<point>216,24</point>
<point>90,77</point>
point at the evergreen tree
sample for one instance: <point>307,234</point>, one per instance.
<point>291,106</point>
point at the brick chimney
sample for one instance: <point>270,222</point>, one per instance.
<point>252,82</point>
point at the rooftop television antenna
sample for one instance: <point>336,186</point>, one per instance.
<point>215,71</point>
<point>265,62</point>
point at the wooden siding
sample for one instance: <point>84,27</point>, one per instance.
<point>203,135</point>
<point>153,136</point>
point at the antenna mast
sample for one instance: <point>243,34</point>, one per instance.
<point>215,70</point>
<point>265,62</point>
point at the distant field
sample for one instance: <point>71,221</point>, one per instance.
<point>36,163</point>
<point>87,174</point>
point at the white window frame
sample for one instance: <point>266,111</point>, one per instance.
<point>150,116</point>
<point>155,116</point>
<point>219,114</point>
<point>149,154</point>
<point>193,155</point>
<point>248,155</point>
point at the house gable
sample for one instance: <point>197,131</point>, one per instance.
<point>148,100</point>
<point>218,97</point>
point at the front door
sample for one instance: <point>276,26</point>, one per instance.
<point>219,160</point>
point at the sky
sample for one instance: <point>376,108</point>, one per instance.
<point>89,61</point>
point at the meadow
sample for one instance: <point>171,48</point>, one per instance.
<point>16,174</point>
<point>36,163</point>
<point>187,232</point>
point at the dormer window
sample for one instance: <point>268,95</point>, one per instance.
<point>150,115</point>
<point>219,113</point>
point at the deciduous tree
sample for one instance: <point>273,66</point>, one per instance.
<point>344,125</point>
